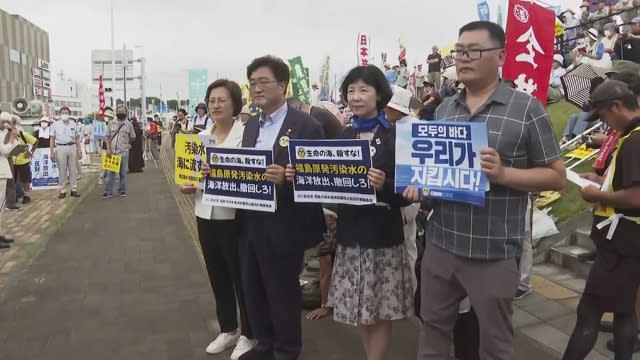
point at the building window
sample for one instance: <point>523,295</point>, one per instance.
<point>14,56</point>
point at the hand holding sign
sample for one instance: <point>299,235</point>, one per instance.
<point>376,178</point>
<point>290,172</point>
<point>275,174</point>
<point>411,193</point>
<point>491,165</point>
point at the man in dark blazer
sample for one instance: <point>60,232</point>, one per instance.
<point>272,245</point>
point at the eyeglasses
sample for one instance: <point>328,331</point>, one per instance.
<point>262,83</point>
<point>220,101</point>
<point>472,54</point>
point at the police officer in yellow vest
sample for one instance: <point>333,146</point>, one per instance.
<point>615,275</point>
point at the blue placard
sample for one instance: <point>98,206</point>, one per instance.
<point>442,159</point>
<point>332,171</point>
<point>44,171</point>
<point>237,179</point>
<point>483,10</point>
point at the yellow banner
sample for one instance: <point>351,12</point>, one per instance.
<point>189,150</point>
<point>111,162</point>
<point>580,152</point>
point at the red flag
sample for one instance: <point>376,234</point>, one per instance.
<point>529,47</point>
<point>402,54</point>
<point>101,97</point>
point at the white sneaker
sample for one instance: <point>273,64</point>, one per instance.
<point>223,342</point>
<point>243,345</point>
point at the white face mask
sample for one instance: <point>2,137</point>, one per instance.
<point>607,33</point>
<point>44,124</point>
<point>64,117</point>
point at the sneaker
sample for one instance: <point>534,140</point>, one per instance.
<point>62,195</point>
<point>4,246</point>
<point>223,342</point>
<point>123,194</point>
<point>106,196</point>
<point>243,345</point>
<point>521,294</point>
<point>12,207</point>
<point>6,240</point>
<point>100,181</point>
<point>75,194</point>
<point>26,200</point>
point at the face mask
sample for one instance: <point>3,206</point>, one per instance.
<point>121,116</point>
<point>607,33</point>
<point>44,125</point>
<point>64,117</point>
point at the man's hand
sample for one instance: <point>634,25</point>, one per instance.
<point>189,188</point>
<point>275,174</point>
<point>79,153</point>
<point>52,154</point>
<point>109,152</point>
<point>491,165</point>
<point>591,194</point>
<point>411,193</point>
<point>376,178</point>
<point>290,172</point>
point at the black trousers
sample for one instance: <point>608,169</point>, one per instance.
<point>219,243</point>
<point>270,272</point>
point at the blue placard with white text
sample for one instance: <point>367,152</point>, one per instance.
<point>442,159</point>
<point>237,179</point>
<point>332,171</point>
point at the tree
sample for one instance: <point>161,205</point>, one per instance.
<point>172,104</point>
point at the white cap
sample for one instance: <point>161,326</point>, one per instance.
<point>400,100</point>
<point>593,33</point>
<point>559,58</point>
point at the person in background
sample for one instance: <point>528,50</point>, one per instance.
<point>421,78</point>
<point>120,134</point>
<point>87,137</point>
<point>331,126</point>
<point>65,149</point>
<point>22,161</point>
<point>315,94</point>
<point>245,114</point>
<point>136,158</point>
<point>435,67</point>
<point>390,74</point>
<point>403,74</point>
<point>158,122</point>
<point>610,39</point>
<point>591,52</point>
<point>628,46</point>
<point>601,16</point>
<point>8,142</point>
<point>201,120</point>
<point>152,138</point>
<point>109,115</point>
<point>43,133</point>
<point>179,126</point>
<point>99,129</point>
<point>219,228</point>
<point>430,102</point>
<point>556,93</point>
<point>172,131</point>
<point>570,23</point>
<point>398,110</point>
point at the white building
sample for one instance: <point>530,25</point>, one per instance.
<point>101,64</point>
<point>73,95</point>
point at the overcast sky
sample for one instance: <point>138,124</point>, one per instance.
<point>225,35</point>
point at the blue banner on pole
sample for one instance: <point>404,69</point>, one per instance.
<point>333,171</point>
<point>237,179</point>
<point>483,10</point>
<point>442,159</point>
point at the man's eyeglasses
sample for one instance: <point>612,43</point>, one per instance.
<point>261,83</point>
<point>472,54</point>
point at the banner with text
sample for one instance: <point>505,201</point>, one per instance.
<point>333,171</point>
<point>299,80</point>
<point>529,47</point>
<point>44,172</point>
<point>189,153</point>
<point>363,49</point>
<point>442,159</point>
<point>198,83</point>
<point>237,179</point>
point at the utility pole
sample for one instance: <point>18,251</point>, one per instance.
<point>124,73</point>
<point>143,97</point>
<point>113,58</point>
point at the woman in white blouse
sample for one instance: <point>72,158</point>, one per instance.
<point>218,228</point>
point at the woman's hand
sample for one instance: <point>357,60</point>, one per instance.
<point>189,188</point>
<point>376,178</point>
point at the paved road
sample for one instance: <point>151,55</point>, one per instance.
<point>121,279</point>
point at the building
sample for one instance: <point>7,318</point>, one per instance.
<point>73,95</point>
<point>24,60</point>
<point>101,65</point>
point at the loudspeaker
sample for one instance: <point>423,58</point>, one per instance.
<point>20,106</point>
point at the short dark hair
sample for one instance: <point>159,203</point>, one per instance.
<point>234,92</point>
<point>65,108</point>
<point>372,76</point>
<point>108,108</point>
<point>630,102</point>
<point>295,103</point>
<point>496,33</point>
<point>121,107</point>
<point>277,66</point>
<point>630,78</point>
<point>183,111</point>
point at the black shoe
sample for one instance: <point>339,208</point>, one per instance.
<point>6,240</point>
<point>606,326</point>
<point>75,194</point>
<point>611,346</point>
<point>106,196</point>
<point>4,246</point>
<point>62,195</point>
<point>257,354</point>
<point>26,200</point>
<point>123,194</point>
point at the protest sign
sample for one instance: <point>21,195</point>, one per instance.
<point>189,153</point>
<point>332,171</point>
<point>442,159</point>
<point>111,162</point>
<point>299,80</point>
<point>44,172</point>
<point>237,179</point>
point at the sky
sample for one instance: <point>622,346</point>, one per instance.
<point>223,36</point>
